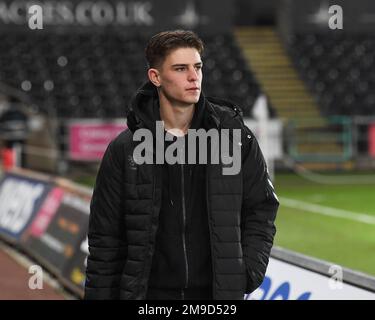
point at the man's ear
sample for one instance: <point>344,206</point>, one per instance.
<point>154,76</point>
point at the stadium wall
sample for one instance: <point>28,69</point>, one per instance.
<point>131,16</point>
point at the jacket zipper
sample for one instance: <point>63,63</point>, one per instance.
<point>210,231</point>
<point>184,227</point>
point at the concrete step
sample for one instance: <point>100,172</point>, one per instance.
<point>287,94</point>
<point>329,150</point>
<point>297,107</point>
<point>271,68</point>
<point>285,87</point>
<point>327,166</point>
<point>296,115</point>
<point>279,79</point>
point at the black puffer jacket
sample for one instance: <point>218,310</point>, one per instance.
<point>127,199</point>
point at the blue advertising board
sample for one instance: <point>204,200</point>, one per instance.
<point>20,200</point>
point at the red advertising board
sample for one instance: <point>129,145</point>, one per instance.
<point>46,212</point>
<point>88,140</point>
<point>371,140</point>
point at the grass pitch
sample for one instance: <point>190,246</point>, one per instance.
<point>341,239</point>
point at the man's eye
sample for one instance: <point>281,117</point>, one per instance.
<point>198,67</point>
<point>180,69</point>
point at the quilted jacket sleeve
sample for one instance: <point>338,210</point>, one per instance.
<point>106,235</point>
<point>259,208</point>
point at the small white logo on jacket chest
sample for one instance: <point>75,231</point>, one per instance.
<point>132,164</point>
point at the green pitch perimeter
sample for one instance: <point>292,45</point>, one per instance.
<point>336,236</point>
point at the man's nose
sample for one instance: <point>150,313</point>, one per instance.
<point>193,75</point>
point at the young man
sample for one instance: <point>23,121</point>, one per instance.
<point>179,230</point>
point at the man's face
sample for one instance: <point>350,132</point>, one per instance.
<point>180,76</point>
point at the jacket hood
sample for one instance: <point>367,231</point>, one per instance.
<point>143,109</point>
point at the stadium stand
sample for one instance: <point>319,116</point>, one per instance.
<point>90,75</point>
<point>338,69</point>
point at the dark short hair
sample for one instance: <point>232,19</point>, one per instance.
<point>161,44</point>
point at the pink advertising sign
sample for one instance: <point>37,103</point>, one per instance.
<point>371,140</point>
<point>89,140</point>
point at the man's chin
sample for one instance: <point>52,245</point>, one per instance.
<point>187,102</point>
<point>191,100</point>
